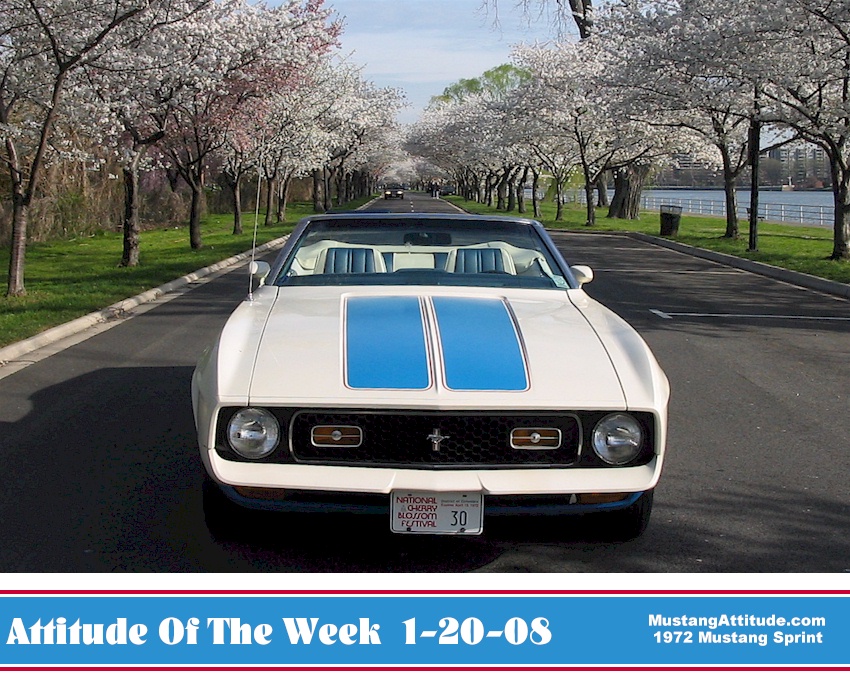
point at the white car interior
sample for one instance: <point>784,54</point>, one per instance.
<point>336,258</point>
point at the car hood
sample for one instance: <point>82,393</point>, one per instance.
<point>433,348</point>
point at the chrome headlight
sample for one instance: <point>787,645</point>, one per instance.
<point>253,433</point>
<point>617,439</point>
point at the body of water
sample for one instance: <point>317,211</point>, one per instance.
<point>807,207</point>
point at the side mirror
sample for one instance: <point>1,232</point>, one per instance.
<point>582,274</point>
<point>259,271</point>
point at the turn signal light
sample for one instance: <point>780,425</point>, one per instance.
<point>601,497</point>
<point>336,436</point>
<point>536,438</point>
<point>260,493</point>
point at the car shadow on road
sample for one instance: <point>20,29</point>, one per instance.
<point>102,475</point>
<point>338,543</point>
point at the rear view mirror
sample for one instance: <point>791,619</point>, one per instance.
<point>427,238</point>
<point>582,274</point>
<point>259,271</point>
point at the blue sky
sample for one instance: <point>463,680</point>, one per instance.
<point>422,46</point>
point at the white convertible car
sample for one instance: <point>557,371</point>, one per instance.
<point>438,369</point>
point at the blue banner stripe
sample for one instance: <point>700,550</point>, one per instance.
<point>425,630</point>
<point>385,344</point>
<point>481,349</point>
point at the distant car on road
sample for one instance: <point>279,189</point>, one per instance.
<point>394,191</point>
<point>437,369</point>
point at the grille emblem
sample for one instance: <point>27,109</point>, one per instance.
<point>436,438</point>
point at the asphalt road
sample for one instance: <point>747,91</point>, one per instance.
<point>100,471</point>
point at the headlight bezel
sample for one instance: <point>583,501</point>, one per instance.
<point>618,438</point>
<point>244,417</point>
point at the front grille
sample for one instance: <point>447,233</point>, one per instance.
<point>434,439</point>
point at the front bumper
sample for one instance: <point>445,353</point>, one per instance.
<point>311,488</point>
<point>322,502</point>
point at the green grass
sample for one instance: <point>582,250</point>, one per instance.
<point>805,249</point>
<point>66,279</point>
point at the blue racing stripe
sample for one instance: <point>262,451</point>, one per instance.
<point>385,344</point>
<point>481,348</point>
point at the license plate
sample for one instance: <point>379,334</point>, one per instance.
<point>437,513</point>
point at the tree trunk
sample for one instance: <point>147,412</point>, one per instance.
<point>841,195</point>
<point>23,191</point>
<point>729,177</point>
<point>588,196</point>
<point>327,182</point>
<point>173,176</point>
<point>20,215</point>
<point>318,205</point>
<point>502,190</point>
<point>582,11</point>
<point>196,185</point>
<point>236,188</point>
<point>488,190</point>
<point>535,186</point>
<point>620,191</point>
<point>512,190</point>
<point>602,191</point>
<point>628,187</point>
<point>271,192</point>
<point>130,255</point>
<point>343,188</point>
<point>282,193</point>
<point>520,191</point>
<point>559,198</point>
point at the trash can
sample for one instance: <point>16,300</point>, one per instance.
<point>670,217</point>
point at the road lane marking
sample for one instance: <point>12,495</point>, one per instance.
<point>792,317</point>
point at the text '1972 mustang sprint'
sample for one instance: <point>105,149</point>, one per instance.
<point>440,369</point>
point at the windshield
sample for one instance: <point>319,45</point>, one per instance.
<point>393,251</point>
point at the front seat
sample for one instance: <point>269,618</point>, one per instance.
<point>475,260</point>
<point>350,260</point>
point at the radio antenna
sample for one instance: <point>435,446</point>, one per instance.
<point>254,239</point>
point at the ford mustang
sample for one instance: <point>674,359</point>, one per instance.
<point>436,369</point>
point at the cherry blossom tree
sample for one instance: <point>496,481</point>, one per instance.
<point>359,112</point>
<point>470,131</point>
<point>719,72</point>
<point>44,44</point>
<point>139,85</point>
<point>570,96</point>
<point>240,155</point>
<point>282,138</point>
<point>250,53</point>
<point>425,141</point>
<point>806,75</point>
<point>671,62</point>
<point>458,136</point>
<point>548,149</point>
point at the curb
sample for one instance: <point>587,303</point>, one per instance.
<point>776,272</point>
<point>119,309</point>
